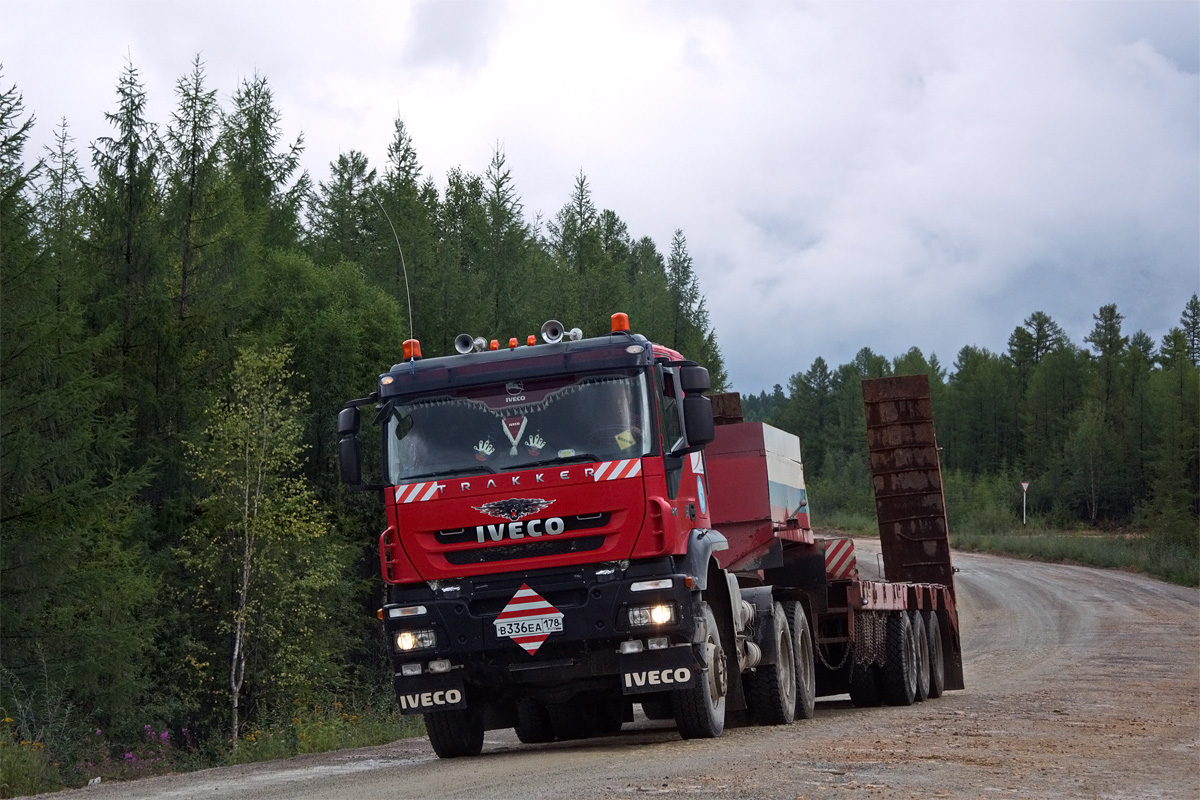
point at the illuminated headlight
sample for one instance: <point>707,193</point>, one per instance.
<point>415,640</point>
<point>651,615</point>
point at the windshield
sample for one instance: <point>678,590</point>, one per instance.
<point>518,425</point>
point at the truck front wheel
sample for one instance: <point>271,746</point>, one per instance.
<point>700,709</point>
<point>455,733</point>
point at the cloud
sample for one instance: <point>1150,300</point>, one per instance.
<point>847,174</point>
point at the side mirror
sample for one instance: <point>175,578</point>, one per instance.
<point>349,458</point>
<point>694,379</point>
<point>698,420</point>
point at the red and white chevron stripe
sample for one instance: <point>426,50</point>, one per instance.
<point>840,561</point>
<point>615,470</point>
<point>417,492</point>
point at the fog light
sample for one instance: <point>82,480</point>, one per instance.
<point>658,643</point>
<point>415,640</point>
<point>441,665</point>
<point>409,670</point>
<point>645,586</point>
<point>632,646</point>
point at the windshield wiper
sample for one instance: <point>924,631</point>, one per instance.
<point>452,472</point>
<point>561,460</point>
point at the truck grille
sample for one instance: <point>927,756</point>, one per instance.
<point>509,552</point>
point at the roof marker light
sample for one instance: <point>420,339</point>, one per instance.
<point>620,323</point>
<point>530,340</point>
<point>495,345</point>
<point>512,343</point>
<point>411,349</point>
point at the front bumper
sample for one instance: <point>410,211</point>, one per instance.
<point>578,620</point>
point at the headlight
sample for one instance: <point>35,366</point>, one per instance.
<point>415,640</point>
<point>651,615</point>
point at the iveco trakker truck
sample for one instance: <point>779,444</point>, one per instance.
<point>574,526</point>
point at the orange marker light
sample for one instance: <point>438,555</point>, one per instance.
<point>512,343</point>
<point>411,349</point>
<point>530,340</point>
<point>495,345</point>
<point>620,322</point>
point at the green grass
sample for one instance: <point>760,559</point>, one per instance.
<point>1173,562</point>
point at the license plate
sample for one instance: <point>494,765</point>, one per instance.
<point>529,627</point>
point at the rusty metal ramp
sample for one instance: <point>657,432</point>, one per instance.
<point>909,503</point>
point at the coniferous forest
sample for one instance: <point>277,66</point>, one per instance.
<point>183,311</point>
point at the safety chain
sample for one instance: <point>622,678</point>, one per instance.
<point>846,649</point>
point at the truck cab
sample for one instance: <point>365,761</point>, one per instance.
<point>546,509</point>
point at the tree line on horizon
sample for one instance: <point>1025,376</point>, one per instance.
<point>1106,434</point>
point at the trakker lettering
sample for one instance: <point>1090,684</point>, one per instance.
<point>519,530</point>
<point>657,677</point>
<point>448,697</point>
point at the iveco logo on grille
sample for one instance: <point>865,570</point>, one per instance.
<point>519,530</point>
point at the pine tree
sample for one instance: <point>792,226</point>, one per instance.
<point>72,592</point>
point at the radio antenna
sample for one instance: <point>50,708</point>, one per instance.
<point>403,268</point>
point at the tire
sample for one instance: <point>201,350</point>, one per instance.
<point>864,686</point>
<point>700,709</point>
<point>533,722</point>
<point>455,733</point>
<point>917,623</point>
<point>900,672</point>
<point>771,688</point>
<point>806,665</point>
<point>937,659</point>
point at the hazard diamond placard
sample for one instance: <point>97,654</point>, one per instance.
<point>528,619</point>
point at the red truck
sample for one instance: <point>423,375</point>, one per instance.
<point>574,526</point>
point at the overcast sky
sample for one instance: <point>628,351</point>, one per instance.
<point>848,175</point>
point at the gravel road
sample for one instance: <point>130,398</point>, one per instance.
<point>1081,683</point>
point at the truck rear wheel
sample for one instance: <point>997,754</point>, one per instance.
<point>700,709</point>
<point>937,660</point>
<point>806,665</point>
<point>900,672</point>
<point>455,733</point>
<point>533,722</point>
<point>917,622</point>
<point>771,688</point>
<point>570,720</point>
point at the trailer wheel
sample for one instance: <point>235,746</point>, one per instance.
<point>900,671</point>
<point>700,709</point>
<point>533,722</point>
<point>771,688</point>
<point>806,665</point>
<point>864,686</point>
<point>917,622</point>
<point>455,733</point>
<point>937,660</point>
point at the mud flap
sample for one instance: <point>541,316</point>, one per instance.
<point>659,670</point>
<point>418,694</point>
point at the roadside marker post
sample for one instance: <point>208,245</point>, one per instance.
<point>1024,494</point>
